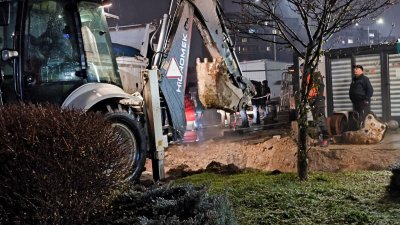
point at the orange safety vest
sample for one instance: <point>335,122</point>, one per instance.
<point>314,89</point>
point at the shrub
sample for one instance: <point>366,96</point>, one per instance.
<point>56,167</point>
<point>394,185</point>
<point>169,205</point>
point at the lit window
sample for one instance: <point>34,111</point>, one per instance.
<point>350,41</point>
<point>268,49</point>
<point>244,40</point>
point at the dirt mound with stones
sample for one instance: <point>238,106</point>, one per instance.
<point>279,153</point>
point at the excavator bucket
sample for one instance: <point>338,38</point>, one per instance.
<point>372,132</point>
<point>215,89</point>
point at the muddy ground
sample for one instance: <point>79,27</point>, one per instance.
<point>275,149</point>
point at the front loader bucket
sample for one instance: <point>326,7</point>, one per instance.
<point>215,89</point>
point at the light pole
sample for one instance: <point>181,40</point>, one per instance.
<point>274,31</point>
<point>381,22</point>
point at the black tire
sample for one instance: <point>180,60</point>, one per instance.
<point>339,124</point>
<point>135,134</point>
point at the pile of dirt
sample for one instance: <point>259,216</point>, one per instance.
<point>279,153</point>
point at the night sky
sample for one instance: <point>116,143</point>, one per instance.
<point>144,11</point>
<point>137,11</point>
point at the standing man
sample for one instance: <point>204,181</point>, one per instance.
<point>199,109</point>
<point>256,102</point>
<point>266,92</point>
<point>316,100</point>
<point>225,118</point>
<point>360,93</point>
<point>243,116</point>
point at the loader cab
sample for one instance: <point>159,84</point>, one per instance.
<point>51,47</point>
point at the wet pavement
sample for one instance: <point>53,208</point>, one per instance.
<point>391,140</point>
<point>217,132</point>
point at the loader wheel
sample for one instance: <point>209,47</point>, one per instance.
<point>133,133</point>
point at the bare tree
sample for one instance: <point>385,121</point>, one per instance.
<point>319,19</point>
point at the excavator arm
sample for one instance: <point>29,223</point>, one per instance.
<point>220,81</point>
<point>221,84</point>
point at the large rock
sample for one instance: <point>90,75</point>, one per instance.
<point>372,131</point>
<point>393,125</point>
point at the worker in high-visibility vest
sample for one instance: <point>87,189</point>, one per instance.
<point>316,100</point>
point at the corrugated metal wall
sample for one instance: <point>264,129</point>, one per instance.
<point>341,79</point>
<point>394,78</point>
<point>381,65</point>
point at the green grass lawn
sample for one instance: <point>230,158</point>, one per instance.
<point>326,198</point>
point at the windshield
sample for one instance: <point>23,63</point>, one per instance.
<point>51,47</point>
<point>97,44</point>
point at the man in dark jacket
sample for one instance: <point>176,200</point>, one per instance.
<point>257,101</point>
<point>266,93</point>
<point>360,93</point>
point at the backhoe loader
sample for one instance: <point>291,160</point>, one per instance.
<point>59,51</point>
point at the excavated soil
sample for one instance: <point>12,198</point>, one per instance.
<point>275,150</point>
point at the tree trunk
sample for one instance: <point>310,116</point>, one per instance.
<point>302,154</point>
